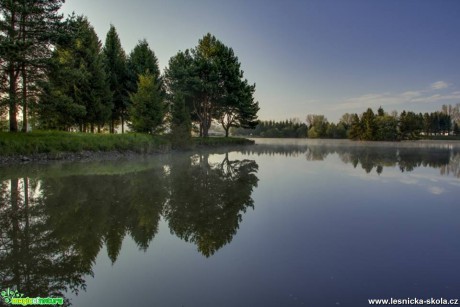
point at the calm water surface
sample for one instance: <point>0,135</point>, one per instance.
<point>281,223</point>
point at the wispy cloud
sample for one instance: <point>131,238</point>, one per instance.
<point>427,95</point>
<point>439,85</point>
<point>438,97</point>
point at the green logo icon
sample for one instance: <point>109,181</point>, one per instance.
<point>9,294</point>
<point>14,297</point>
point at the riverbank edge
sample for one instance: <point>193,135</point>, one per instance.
<point>149,148</point>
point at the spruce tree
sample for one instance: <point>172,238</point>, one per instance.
<point>148,109</point>
<point>115,64</point>
<point>77,91</point>
<point>142,60</point>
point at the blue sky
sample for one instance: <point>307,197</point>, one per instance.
<point>309,57</point>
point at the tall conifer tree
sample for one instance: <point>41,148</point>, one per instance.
<point>115,64</point>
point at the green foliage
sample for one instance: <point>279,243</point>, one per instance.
<point>387,128</point>
<point>410,125</point>
<point>292,128</point>
<point>142,60</point>
<point>148,107</point>
<point>369,126</point>
<point>116,69</point>
<point>77,92</point>
<point>317,126</point>
<point>211,81</point>
<point>355,129</point>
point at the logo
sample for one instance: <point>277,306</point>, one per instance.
<point>14,297</point>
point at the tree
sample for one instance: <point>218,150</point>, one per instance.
<point>181,124</point>
<point>148,108</point>
<point>77,91</point>
<point>346,120</point>
<point>142,60</point>
<point>28,30</point>
<point>318,125</point>
<point>368,124</point>
<point>410,125</point>
<point>356,128</point>
<point>211,81</point>
<point>387,128</point>
<point>115,64</point>
<point>239,108</point>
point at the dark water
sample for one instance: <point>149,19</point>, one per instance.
<point>281,223</point>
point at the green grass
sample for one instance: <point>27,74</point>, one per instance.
<point>55,142</point>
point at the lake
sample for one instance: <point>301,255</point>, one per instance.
<point>280,223</point>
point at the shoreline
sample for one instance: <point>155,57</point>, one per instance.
<point>122,153</point>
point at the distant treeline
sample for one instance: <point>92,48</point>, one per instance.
<point>369,126</point>
<point>291,128</point>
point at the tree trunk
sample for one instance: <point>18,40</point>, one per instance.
<point>24,99</point>
<point>12,100</point>
<point>122,124</point>
<point>12,79</point>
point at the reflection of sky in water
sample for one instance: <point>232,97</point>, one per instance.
<point>322,233</point>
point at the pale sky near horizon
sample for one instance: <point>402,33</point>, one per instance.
<point>308,57</point>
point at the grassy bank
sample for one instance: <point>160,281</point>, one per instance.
<point>55,142</point>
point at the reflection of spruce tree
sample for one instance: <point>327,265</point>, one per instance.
<point>148,193</point>
<point>93,210</point>
<point>207,200</point>
<point>31,259</point>
<point>52,229</point>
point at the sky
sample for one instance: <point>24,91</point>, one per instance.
<point>308,57</point>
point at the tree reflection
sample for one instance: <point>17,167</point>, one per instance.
<point>53,228</point>
<point>32,259</point>
<point>207,200</point>
<point>373,157</point>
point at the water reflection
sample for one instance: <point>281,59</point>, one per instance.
<point>34,258</point>
<point>53,228</point>
<point>54,224</point>
<point>445,158</point>
<point>207,200</point>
